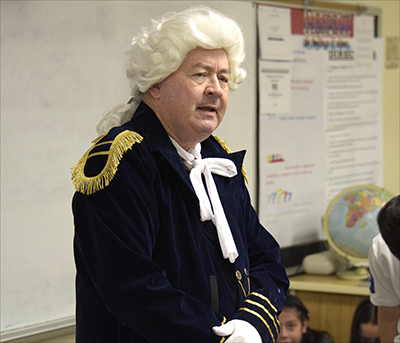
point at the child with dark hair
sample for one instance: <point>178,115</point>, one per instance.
<point>364,328</point>
<point>294,324</point>
<point>389,225</point>
<point>384,263</point>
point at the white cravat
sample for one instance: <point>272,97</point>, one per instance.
<point>221,166</point>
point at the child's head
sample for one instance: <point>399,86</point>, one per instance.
<point>389,225</point>
<point>364,328</point>
<point>294,320</point>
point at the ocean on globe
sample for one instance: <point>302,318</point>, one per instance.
<point>350,220</point>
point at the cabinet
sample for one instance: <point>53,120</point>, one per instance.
<point>331,302</point>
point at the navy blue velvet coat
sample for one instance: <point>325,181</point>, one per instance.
<point>148,270</point>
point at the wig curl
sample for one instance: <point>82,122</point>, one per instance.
<point>159,50</point>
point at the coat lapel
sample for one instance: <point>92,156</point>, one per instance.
<point>159,142</point>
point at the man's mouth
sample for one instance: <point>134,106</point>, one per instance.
<point>208,108</point>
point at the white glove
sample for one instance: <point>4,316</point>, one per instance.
<point>239,331</point>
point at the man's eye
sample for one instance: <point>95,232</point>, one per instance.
<point>224,79</point>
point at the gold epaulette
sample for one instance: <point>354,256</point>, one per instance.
<point>118,147</point>
<point>225,146</point>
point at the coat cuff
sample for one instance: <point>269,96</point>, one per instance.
<point>259,311</point>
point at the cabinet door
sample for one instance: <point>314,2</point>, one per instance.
<point>331,312</point>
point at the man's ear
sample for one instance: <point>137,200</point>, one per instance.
<point>154,90</point>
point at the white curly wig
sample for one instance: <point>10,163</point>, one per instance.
<point>159,50</point>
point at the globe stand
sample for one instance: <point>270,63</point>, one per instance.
<point>357,273</point>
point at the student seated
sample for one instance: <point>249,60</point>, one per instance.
<point>294,324</point>
<point>364,328</point>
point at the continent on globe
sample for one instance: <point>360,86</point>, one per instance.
<point>361,202</point>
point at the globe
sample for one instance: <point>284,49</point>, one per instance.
<point>350,225</point>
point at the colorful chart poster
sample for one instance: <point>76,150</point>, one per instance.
<point>292,156</point>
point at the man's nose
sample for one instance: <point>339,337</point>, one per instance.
<point>214,87</point>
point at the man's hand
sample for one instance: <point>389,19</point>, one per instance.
<point>239,331</point>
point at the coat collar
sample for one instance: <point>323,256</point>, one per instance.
<point>158,141</point>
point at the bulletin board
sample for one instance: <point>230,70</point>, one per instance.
<point>320,113</point>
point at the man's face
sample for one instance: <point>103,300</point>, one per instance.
<point>192,101</point>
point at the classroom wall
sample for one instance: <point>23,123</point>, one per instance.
<point>68,115</point>
<point>391,107</point>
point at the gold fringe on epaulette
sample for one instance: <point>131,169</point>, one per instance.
<point>120,145</point>
<point>225,146</point>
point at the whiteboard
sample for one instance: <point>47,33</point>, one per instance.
<point>62,66</point>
